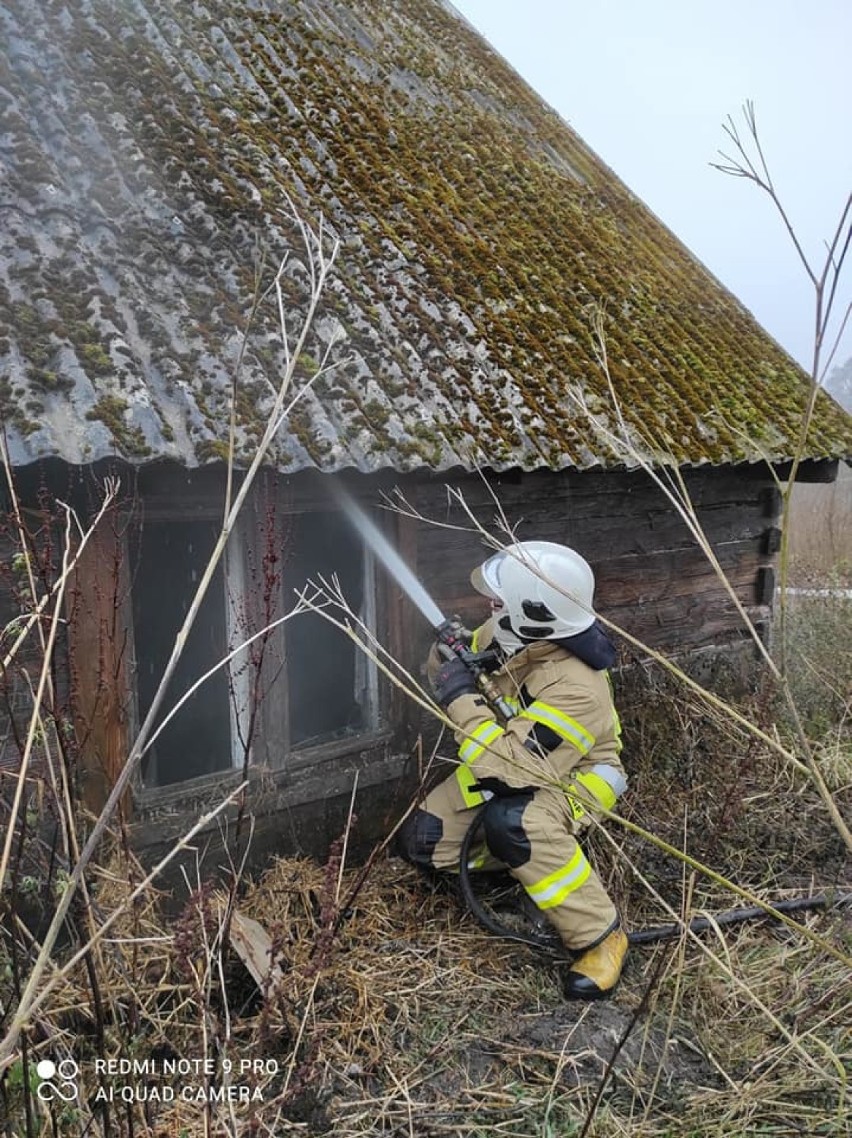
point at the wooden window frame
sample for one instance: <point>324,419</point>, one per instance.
<point>107,751</point>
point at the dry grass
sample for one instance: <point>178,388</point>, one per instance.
<point>821,531</point>
<point>412,1021</point>
<point>396,1015</point>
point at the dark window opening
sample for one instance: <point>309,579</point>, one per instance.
<point>328,695</point>
<point>314,684</point>
<point>168,564</point>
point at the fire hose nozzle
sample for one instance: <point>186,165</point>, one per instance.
<point>448,634</point>
<point>489,689</point>
<point>453,644</point>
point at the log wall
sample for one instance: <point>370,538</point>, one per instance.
<point>653,580</point>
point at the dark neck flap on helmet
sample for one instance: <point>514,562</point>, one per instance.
<point>593,646</point>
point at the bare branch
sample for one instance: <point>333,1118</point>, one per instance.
<point>321,263</point>
<point>745,167</point>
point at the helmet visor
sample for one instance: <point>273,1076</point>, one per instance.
<point>486,577</point>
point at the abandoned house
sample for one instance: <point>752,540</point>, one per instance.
<point>147,156</point>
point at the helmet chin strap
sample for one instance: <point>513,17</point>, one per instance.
<point>509,642</point>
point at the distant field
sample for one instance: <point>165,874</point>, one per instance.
<point>821,528</point>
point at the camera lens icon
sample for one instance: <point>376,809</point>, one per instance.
<point>58,1080</point>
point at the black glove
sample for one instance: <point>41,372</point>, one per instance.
<point>453,679</point>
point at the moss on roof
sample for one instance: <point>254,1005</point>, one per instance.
<point>148,148</point>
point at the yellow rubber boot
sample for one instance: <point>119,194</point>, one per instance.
<point>594,974</point>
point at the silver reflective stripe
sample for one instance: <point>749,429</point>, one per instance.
<point>564,726</point>
<point>612,776</point>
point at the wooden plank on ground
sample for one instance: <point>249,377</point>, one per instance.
<point>253,944</point>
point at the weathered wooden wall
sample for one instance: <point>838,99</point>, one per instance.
<point>101,660</point>
<point>20,672</point>
<point>653,580</point>
<point>15,695</point>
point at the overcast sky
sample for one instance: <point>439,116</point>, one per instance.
<point>648,84</point>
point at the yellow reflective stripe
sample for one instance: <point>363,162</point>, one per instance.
<point>474,641</point>
<point>480,737</point>
<point>616,720</point>
<point>574,804</point>
<point>604,783</point>
<point>564,726</point>
<point>598,787</point>
<point>553,889</point>
<point>616,726</point>
<point>513,704</point>
<point>466,779</point>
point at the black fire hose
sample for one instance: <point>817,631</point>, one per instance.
<point>550,945</point>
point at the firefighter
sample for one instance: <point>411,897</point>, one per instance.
<point>539,774</point>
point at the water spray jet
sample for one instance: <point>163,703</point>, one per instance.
<point>390,558</point>
<point>446,630</point>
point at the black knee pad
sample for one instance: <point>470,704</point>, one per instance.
<point>418,836</point>
<point>504,831</point>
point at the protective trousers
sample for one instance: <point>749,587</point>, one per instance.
<point>553,768</point>
<point>533,833</point>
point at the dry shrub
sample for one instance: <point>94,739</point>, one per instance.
<point>705,785</point>
<point>819,637</point>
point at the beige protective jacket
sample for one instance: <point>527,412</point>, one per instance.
<point>565,722</point>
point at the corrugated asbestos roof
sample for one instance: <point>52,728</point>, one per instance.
<point>145,149</point>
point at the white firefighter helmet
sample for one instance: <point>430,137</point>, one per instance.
<point>546,591</point>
